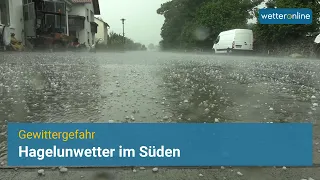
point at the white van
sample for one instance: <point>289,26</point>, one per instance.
<point>234,40</point>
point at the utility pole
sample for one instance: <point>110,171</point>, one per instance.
<point>124,40</point>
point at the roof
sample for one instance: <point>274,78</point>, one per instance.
<point>96,7</point>
<point>95,4</point>
<point>100,19</point>
<point>232,31</point>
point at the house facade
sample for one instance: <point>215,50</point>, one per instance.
<point>81,20</point>
<point>11,17</point>
<point>43,14</point>
<point>102,34</point>
<point>26,18</point>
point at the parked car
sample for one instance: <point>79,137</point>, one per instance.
<point>235,40</point>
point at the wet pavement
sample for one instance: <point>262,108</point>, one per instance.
<point>158,87</point>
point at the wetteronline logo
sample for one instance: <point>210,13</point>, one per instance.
<point>285,16</point>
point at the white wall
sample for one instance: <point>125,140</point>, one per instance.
<point>88,25</point>
<point>77,9</point>
<point>80,9</point>
<point>16,18</point>
<point>101,30</point>
<point>106,35</point>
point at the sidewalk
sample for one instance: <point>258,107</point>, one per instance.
<point>165,174</point>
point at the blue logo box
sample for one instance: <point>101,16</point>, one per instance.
<point>285,16</point>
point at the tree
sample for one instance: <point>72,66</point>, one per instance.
<point>196,23</point>
<point>116,43</point>
<point>151,46</point>
<point>177,14</point>
<point>271,35</point>
<point>221,15</point>
<point>250,26</point>
<point>143,47</point>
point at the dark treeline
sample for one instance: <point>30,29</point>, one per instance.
<point>191,24</point>
<point>115,42</point>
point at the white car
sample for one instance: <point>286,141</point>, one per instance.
<point>234,40</point>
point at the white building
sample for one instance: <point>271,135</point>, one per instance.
<point>102,34</point>
<point>11,15</point>
<point>24,17</point>
<point>81,20</point>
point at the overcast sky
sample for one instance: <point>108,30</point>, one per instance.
<point>142,24</point>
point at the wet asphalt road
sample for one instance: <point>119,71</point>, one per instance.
<point>158,87</point>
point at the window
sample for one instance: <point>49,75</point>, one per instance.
<point>56,21</point>
<point>88,36</point>
<point>26,12</point>
<point>60,7</point>
<point>27,1</point>
<point>217,40</point>
<point>29,12</point>
<point>49,6</point>
<point>91,16</point>
<point>50,20</point>
<point>57,7</point>
<point>4,12</point>
<point>87,15</point>
<point>71,21</point>
<point>62,19</point>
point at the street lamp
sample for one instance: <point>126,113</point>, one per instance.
<point>124,40</point>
